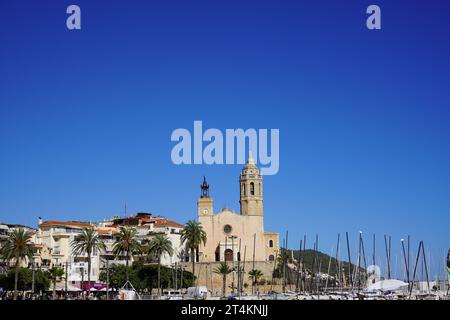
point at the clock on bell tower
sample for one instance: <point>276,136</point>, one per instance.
<point>205,202</point>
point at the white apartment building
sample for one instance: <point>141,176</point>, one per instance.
<point>53,241</point>
<point>56,237</point>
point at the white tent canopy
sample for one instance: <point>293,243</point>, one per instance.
<point>387,285</point>
<point>61,287</point>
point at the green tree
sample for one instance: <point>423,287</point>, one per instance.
<point>17,247</point>
<point>117,276</point>
<point>157,247</point>
<point>255,275</point>
<point>193,236</point>
<point>143,276</point>
<point>87,242</point>
<point>126,243</point>
<point>54,275</point>
<point>25,276</point>
<point>41,281</point>
<point>224,270</point>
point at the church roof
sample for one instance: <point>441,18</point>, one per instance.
<point>250,158</point>
<point>250,161</point>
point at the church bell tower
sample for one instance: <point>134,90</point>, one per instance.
<point>205,202</point>
<point>251,194</point>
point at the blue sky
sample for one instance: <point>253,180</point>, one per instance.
<point>86,116</point>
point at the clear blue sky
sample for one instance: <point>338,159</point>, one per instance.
<point>86,116</point>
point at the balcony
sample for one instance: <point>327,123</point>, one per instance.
<point>56,252</point>
<point>62,232</point>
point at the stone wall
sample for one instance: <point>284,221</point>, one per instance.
<point>214,282</point>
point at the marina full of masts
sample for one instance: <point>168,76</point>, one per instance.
<point>341,276</point>
<point>348,275</point>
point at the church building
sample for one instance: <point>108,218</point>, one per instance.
<point>231,234</point>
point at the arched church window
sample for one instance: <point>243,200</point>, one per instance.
<point>217,253</point>
<point>252,188</point>
<point>271,257</point>
<point>270,243</point>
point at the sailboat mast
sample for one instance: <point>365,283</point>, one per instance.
<point>253,263</point>
<point>406,261</point>
<point>373,250</point>
<point>415,270</point>
<point>297,283</point>
<point>303,270</point>
<point>328,272</point>
<point>359,260</point>
<point>388,258</point>
<point>338,269</point>
<point>243,266</point>
<point>239,270</point>
<point>350,280</point>
<point>273,271</point>
<point>426,268</point>
<point>286,275</point>
<point>448,272</point>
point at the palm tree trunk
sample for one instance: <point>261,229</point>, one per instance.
<point>16,278</point>
<point>193,265</point>
<point>224,284</point>
<point>89,274</point>
<point>159,277</point>
<point>126,269</point>
<point>54,288</point>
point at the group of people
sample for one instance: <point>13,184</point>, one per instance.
<point>9,295</point>
<point>24,296</point>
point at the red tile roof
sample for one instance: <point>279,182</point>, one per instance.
<point>106,232</point>
<point>163,222</point>
<point>158,222</point>
<point>77,224</point>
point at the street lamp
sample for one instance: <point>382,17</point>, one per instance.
<point>232,285</point>
<point>32,277</point>
<point>232,259</point>
<point>82,280</point>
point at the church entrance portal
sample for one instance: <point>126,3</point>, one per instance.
<point>228,255</point>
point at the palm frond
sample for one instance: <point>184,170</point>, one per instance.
<point>86,242</point>
<point>193,235</point>
<point>160,245</point>
<point>126,242</point>
<point>18,246</point>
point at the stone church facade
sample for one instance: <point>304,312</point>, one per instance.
<point>235,236</point>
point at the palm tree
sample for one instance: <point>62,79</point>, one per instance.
<point>157,247</point>
<point>126,243</point>
<point>17,247</point>
<point>224,270</point>
<point>193,235</point>
<point>88,241</point>
<point>55,274</point>
<point>255,275</point>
